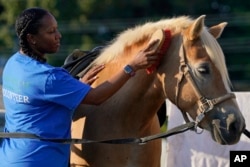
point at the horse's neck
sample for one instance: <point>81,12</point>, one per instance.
<point>168,69</point>
<point>141,88</point>
<point>143,85</point>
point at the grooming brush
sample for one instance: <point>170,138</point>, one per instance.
<point>161,47</point>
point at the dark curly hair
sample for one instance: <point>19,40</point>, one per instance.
<point>28,22</point>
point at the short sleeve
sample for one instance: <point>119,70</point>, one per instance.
<point>61,88</point>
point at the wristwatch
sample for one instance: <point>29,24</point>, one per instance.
<point>129,70</point>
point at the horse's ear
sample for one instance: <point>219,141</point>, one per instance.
<point>195,29</point>
<point>217,30</point>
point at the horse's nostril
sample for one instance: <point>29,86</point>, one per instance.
<point>233,127</point>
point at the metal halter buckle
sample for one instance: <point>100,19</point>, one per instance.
<point>206,106</point>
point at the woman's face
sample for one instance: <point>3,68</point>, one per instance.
<point>47,40</point>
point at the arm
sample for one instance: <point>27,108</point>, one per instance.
<point>142,60</point>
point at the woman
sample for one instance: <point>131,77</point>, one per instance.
<point>38,97</point>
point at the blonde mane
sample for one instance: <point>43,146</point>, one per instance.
<point>136,34</point>
<point>141,32</point>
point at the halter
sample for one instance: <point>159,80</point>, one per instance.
<point>205,104</point>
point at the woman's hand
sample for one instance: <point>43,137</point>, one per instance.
<point>146,57</point>
<point>91,75</point>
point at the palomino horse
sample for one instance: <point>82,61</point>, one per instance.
<point>192,74</point>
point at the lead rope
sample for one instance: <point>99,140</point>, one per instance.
<point>247,133</point>
<point>143,140</point>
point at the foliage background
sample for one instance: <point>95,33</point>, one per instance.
<point>85,24</point>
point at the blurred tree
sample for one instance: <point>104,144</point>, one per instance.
<point>8,12</point>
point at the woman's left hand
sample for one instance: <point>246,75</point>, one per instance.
<point>91,75</point>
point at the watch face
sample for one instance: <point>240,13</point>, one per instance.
<point>128,69</point>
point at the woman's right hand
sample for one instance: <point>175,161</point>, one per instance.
<point>146,57</point>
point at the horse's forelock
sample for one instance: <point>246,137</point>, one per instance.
<point>216,54</point>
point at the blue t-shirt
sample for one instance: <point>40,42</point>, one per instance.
<point>38,99</point>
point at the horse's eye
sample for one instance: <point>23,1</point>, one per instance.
<point>203,70</point>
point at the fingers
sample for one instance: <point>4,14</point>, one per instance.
<point>94,71</point>
<point>91,80</point>
<point>91,75</point>
<point>152,45</point>
<point>88,80</point>
<point>153,60</point>
<point>152,53</point>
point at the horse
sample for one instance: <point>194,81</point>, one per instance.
<point>192,74</point>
